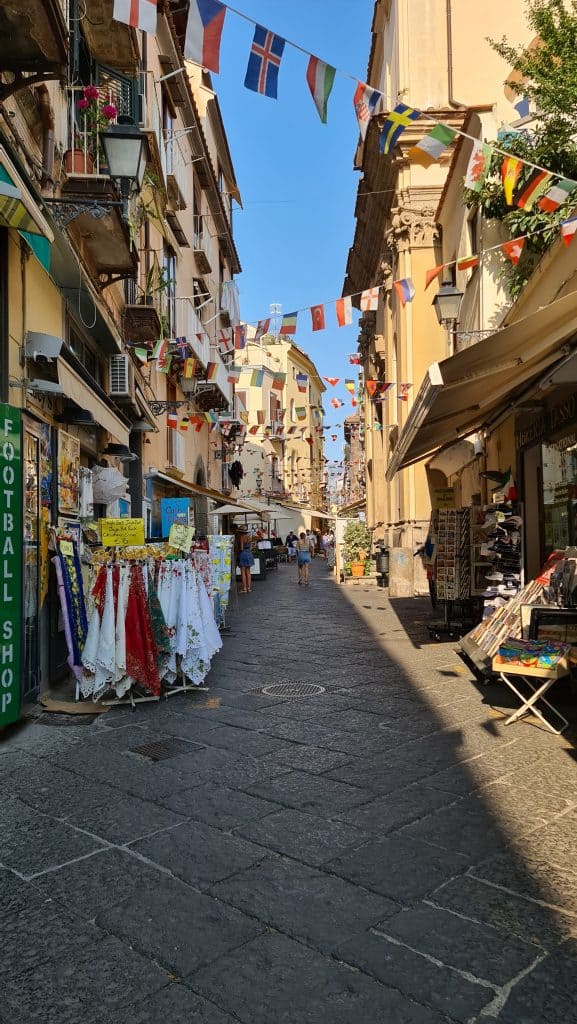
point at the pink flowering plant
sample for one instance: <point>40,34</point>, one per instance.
<point>96,113</point>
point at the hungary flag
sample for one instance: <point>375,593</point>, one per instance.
<point>320,78</point>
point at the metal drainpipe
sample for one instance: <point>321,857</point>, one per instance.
<point>452,101</point>
<point>47,118</point>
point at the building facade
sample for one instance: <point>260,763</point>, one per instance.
<point>279,397</point>
<point>397,234</point>
<point>117,293</point>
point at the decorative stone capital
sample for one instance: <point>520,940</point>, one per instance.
<point>412,229</point>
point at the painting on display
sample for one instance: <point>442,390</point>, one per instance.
<point>68,473</point>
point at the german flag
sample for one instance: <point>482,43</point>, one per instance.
<point>526,195</point>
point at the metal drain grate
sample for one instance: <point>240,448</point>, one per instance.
<point>163,750</point>
<point>291,690</point>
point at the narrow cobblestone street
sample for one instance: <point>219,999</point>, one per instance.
<point>385,851</point>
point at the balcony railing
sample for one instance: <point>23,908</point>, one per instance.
<point>200,245</point>
<point>176,172</point>
<point>189,326</point>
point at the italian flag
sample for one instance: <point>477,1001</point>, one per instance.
<point>320,79</point>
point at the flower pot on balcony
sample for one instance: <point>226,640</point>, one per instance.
<point>78,161</point>
<point>357,569</point>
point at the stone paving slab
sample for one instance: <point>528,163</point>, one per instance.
<point>317,760</point>
<point>174,1004</point>
<point>545,996</point>
<point>462,944</point>
<point>179,929</point>
<point>97,882</point>
<point>304,902</point>
<point>466,828</point>
<point>301,986</point>
<point>57,934</point>
<point>125,819</point>
<point>34,847</point>
<point>421,978</point>
<point>310,792</point>
<point>82,985</point>
<point>199,854</point>
<point>507,912</point>
<point>401,868</point>
<point>398,808</point>
<point>218,806</point>
<point>307,837</point>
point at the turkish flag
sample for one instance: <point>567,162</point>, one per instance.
<point>318,317</point>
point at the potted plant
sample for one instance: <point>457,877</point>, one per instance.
<point>95,113</point>
<point>357,546</point>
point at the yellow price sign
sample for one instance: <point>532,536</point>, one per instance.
<point>119,533</point>
<point>181,536</point>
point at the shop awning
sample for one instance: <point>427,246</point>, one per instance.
<point>206,492</point>
<point>470,390</point>
<point>229,510</point>
<point>19,210</point>
<point>79,392</point>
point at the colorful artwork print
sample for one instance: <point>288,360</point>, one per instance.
<point>68,472</point>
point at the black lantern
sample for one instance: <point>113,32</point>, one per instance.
<point>447,303</point>
<point>125,152</point>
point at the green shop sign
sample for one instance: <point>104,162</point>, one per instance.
<point>10,562</point>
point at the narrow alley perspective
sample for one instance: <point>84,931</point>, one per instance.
<point>372,844</point>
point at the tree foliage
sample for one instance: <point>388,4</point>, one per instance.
<point>546,73</point>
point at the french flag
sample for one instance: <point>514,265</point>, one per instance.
<point>203,33</point>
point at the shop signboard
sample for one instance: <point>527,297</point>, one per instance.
<point>11,575</point>
<point>181,537</point>
<point>173,510</point>
<point>119,533</point>
<point>443,497</point>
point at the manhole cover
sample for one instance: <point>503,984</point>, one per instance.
<point>292,690</point>
<point>57,719</point>
<point>163,749</point>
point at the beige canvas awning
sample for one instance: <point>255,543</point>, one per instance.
<point>472,389</point>
<point>81,393</point>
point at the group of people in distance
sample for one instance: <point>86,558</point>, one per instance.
<point>304,548</point>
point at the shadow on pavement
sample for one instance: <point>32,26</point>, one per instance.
<point>385,850</point>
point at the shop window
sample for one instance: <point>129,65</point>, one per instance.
<point>559,483</point>
<point>85,355</point>
<point>473,232</point>
<point>169,280</point>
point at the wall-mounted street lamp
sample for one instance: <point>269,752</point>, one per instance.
<point>447,305</point>
<point>126,153</point>
<point>125,149</point>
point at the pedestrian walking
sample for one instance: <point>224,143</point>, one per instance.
<point>305,552</point>
<point>245,561</point>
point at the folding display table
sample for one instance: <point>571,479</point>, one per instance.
<point>539,680</point>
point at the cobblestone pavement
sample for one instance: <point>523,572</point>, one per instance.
<point>386,851</point>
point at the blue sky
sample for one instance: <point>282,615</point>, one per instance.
<point>295,174</point>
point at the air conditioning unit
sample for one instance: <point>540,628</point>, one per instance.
<point>120,376</point>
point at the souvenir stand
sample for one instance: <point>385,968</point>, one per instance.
<point>475,562</point>
<point>450,565</point>
<point>147,624</point>
<point>531,640</point>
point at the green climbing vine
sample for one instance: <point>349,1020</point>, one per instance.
<point>546,73</point>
